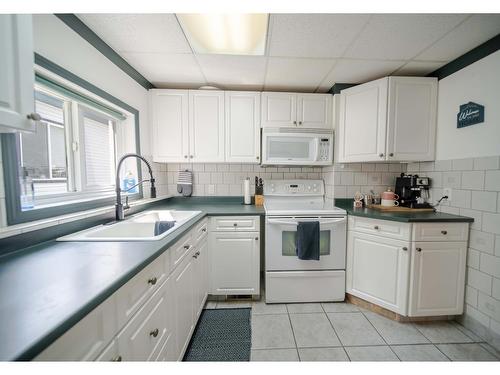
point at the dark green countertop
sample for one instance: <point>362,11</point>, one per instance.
<point>406,217</point>
<point>47,288</point>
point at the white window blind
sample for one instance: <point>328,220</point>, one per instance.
<point>99,152</point>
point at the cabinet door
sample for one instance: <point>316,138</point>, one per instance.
<point>234,262</point>
<point>201,275</point>
<point>183,281</point>
<point>377,270</point>
<point>206,126</point>
<point>242,127</point>
<point>279,109</point>
<point>362,123</point>
<point>437,278</point>
<point>170,125</point>
<point>16,73</point>
<point>314,111</point>
<point>411,122</point>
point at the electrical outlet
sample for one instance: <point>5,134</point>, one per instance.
<point>447,191</point>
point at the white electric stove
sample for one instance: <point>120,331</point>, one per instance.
<point>288,278</point>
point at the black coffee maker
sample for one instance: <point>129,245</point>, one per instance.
<point>413,191</point>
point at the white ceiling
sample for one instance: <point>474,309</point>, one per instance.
<point>305,52</point>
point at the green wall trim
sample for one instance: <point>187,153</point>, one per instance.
<point>481,51</point>
<point>10,158</point>
<point>337,87</point>
<point>74,23</point>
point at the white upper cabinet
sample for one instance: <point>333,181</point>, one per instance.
<point>16,74</point>
<point>170,125</point>
<point>411,122</point>
<point>314,110</point>
<point>206,126</point>
<point>242,127</point>
<point>390,119</point>
<point>362,122</point>
<point>281,109</point>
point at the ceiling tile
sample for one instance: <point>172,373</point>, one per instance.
<point>474,31</point>
<point>401,36</point>
<point>150,33</point>
<point>359,71</point>
<point>296,74</point>
<point>165,70</point>
<point>232,71</point>
<point>314,35</point>
<point>418,68</point>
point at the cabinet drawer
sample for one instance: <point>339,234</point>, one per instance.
<point>180,249</point>
<point>110,354</point>
<point>144,335</point>
<point>235,223</point>
<point>200,231</point>
<point>87,338</point>
<point>440,231</point>
<point>384,228</point>
<point>131,296</point>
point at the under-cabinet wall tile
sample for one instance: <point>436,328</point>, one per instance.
<point>471,295</point>
<point>382,167</point>
<point>484,201</point>
<point>452,179</point>
<point>490,264</point>
<point>442,165</point>
<point>492,180</point>
<point>482,241</point>
<point>462,164</point>
<point>427,166</point>
<point>461,198</point>
<point>484,163</point>
<point>477,215</point>
<point>489,306</point>
<point>491,223</point>
<point>473,180</point>
<point>368,167</point>
<point>473,258</point>
<point>479,280</point>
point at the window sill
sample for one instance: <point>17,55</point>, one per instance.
<point>13,230</point>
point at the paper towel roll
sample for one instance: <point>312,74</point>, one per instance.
<point>246,190</point>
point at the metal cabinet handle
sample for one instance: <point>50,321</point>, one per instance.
<point>444,232</point>
<point>300,122</point>
<point>256,238</point>
<point>235,224</point>
<point>196,255</point>
<point>381,155</point>
<point>391,154</point>
<point>118,358</point>
<point>185,156</point>
<point>375,227</point>
<point>295,122</point>
<point>257,158</point>
<point>191,156</point>
<point>152,281</point>
<point>34,116</point>
<point>418,249</point>
<point>154,332</point>
<point>204,230</point>
<point>405,248</point>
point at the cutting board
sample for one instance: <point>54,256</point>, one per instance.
<point>399,209</point>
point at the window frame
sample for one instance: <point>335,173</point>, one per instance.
<point>11,158</point>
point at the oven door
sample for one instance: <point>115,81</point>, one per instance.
<point>289,149</point>
<point>281,232</point>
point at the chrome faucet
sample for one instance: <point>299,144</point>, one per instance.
<point>119,207</point>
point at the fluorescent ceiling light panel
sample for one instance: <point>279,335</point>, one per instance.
<point>231,34</point>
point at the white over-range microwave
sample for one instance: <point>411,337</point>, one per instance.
<point>285,146</point>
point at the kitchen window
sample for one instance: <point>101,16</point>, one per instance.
<point>68,163</point>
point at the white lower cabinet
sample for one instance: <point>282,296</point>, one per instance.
<point>234,257</point>
<point>411,278</point>
<point>152,316</point>
<point>377,270</point>
<point>437,278</point>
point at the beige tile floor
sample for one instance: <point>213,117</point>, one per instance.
<point>343,332</point>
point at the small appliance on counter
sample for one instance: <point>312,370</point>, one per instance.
<point>413,191</point>
<point>259,191</point>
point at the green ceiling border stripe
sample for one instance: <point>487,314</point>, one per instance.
<point>74,23</point>
<point>475,54</point>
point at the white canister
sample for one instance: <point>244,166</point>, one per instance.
<point>246,191</point>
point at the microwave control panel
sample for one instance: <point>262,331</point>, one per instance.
<point>324,149</point>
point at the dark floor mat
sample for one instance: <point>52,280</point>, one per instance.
<point>221,335</point>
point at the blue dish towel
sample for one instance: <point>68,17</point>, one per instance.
<point>307,240</point>
<point>163,226</point>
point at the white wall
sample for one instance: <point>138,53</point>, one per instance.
<point>479,83</point>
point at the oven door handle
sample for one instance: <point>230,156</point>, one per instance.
<point>321,221</point>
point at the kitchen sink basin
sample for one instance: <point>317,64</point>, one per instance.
<point>140,227</point>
